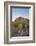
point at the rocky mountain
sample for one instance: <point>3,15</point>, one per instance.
<point>21,20</point>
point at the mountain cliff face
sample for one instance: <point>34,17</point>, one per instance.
<point>21,20</point>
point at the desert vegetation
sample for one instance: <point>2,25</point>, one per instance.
<point>20,27</point>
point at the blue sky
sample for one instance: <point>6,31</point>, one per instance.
<point>16,12</point>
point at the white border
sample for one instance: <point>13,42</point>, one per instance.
<point>31,24</point>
